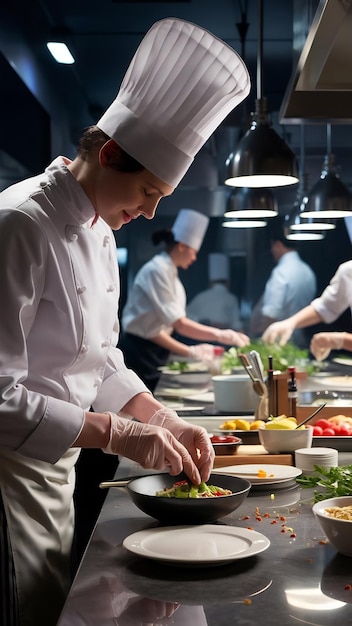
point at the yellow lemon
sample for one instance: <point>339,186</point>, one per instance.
<point>256,424</point>
<point>243,425</point>
<point>229,425</point>
<point>280,425</point>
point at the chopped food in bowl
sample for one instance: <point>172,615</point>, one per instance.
<point>335,517</point>
<point>225,444</point>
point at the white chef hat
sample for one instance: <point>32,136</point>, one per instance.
<point>218,266</point>
<point>190,227</point>
<point>180,85</point>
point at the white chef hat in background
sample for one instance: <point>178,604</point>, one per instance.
<point>190,227</point>
<point>180,85</point>
<point>218,266</point>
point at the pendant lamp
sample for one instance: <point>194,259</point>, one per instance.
<point>262,158</point>
<point>328,198</point>
<point>295,227</point>
<point>243,223</point>
<point>251,203</point>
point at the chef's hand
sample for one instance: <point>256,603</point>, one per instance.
<point>194,438</point>
<point>231,337</point>
<point>281,331</point>
<point>150,446</point>
<point>322,343</point>
<point>202,352</point>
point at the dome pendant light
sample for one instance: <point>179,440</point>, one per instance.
<point>296,228</point>
<point>329,198</point>
<point>262,158</point>
<point>251,203</point>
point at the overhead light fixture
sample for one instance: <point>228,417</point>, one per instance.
<point>242,223</point>
<point>60,51</point>
<point>251,203</point>
<point>262,158</point>
<point>329,197</point>
<point>296,228</point>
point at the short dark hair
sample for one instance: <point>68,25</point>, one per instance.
<point>277,232</point>
<point>92,137</point>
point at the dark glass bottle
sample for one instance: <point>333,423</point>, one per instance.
<point>292,393</point>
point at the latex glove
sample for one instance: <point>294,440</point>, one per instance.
<point>150,446</point>
<point>230,337</point>
<point>278,330</point>
<point>322,343</point>
<point>202,352</point>
<point>195,438</point>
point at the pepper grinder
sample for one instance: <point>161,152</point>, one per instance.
<point>292,393</point>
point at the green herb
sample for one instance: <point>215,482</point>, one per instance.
<point>283,356</point>
<point>180,366</point>
<point>335,481</point>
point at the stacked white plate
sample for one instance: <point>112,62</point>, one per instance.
<point>306,458</point>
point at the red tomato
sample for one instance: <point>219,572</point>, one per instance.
<point>322,423</point>
<point>336,428</point>
<point>328,432</point>
<point>317,431</point>
<point>345,431</point>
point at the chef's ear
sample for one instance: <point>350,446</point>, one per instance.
<point>109,153</point>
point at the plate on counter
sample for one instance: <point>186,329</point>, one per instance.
<point>342,383</point>
<point>275,474</point>
<point>196,546</point>
<point>340,443</point>
<point>343,361</point>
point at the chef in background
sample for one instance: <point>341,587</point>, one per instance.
<point>216,306</point>
<point>335,299</point>
<point>156,305</point>
<point>59,294</point>
<point>291,285</point>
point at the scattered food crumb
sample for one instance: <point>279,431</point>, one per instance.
<point>247,601</point>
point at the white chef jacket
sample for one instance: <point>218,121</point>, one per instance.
<point>59,291</point>
<point>291,286</point>
<point>216,306</point>
<point>60,281</point>
<point>157,299</point>
<point>337,296</point>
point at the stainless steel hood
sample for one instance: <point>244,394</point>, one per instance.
<point>320,88</point>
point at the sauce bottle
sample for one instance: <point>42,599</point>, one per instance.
<point>292,393</point>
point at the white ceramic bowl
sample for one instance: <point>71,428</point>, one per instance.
<point>338,531</point>
<point>285,441</point>
<point>234,393</point>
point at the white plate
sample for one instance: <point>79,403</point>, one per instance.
<point>342,383</point>
<point>196,545</point>
<point>275,474</point>
<point>343,361</point>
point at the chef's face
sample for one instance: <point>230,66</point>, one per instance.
<point>186,256</point>
<point>120,197</point>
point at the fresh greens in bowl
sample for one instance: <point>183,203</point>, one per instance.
<point>283,356</point>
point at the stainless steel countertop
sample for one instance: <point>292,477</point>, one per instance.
<point>279,586</point>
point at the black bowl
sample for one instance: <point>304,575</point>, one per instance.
<point>176,511</point>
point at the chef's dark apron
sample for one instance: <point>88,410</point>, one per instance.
<point>143,357</point>
<point>8,589</point>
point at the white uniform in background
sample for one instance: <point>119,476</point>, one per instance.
<point>291,286</point>
<point>216,306</point>
<point>337,296</point>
